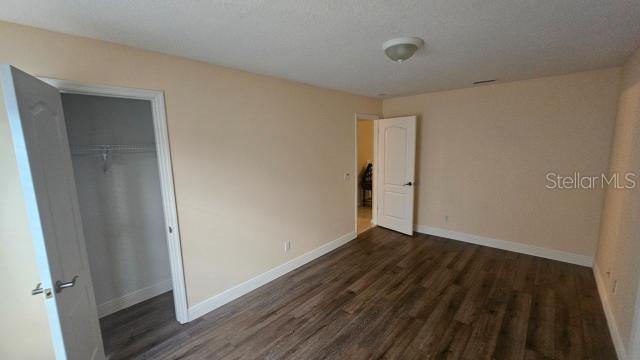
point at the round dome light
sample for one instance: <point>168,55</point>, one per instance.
<point>402,48</point>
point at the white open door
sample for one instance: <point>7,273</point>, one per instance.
<point>39,135</point>
<point>396,173</point>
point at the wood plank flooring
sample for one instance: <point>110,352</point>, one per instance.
<point>364,219</point>
<point>387,296</point>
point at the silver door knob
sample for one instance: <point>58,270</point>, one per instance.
<point>60,285</point>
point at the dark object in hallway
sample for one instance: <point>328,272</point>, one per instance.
<point>388,295</point>
<point>367,184</point>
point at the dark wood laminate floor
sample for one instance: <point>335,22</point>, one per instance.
<point>387,296</point>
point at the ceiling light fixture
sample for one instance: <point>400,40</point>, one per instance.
<point>402,48</point>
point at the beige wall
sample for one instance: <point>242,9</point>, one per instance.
<point>365,146</point>
<point>618,257</point>
<point>483,154</point>
<point>256,160</point>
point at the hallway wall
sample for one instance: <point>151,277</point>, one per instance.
<point>365,149</point>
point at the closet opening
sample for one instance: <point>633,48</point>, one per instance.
<point>122,171</point>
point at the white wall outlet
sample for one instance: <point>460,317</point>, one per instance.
<point>446,219</point>
<point>287,246</point>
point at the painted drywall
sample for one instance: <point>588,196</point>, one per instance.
<point>365,149</point>
<point>257,161</point>
<point>121,207</point>
<point>337,44</point>
<point>484,152</point>
<point>618,256</point>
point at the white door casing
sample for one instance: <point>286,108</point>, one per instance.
<point>166,173</point>
<point>396,173</point>
<point>39,135</point>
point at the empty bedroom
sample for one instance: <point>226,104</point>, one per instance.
<point>320,179</point>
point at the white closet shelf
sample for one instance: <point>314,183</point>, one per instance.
<point>102,148</point>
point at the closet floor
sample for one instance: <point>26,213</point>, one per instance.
<point>130,332</point>
<point>387,295</point>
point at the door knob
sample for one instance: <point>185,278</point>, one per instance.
<point>408,184</point>
<point>60,285</point>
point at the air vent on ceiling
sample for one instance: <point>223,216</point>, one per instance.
<point>483,82</point>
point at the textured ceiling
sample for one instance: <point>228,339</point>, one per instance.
<point>337,43</point>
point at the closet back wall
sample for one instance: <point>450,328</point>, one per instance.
<point>121,207</point>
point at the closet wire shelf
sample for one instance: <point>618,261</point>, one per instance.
<point>105,151</point>
<point>99,149</point>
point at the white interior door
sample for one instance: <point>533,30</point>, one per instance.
<point>40,139</point>
<point>396,173</point>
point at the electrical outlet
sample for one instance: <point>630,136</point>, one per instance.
<point>347,176</point>
<point>446,219</point>
<point>614,287</point>
<point>287,246</point>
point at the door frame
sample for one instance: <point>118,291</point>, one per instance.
<point>634,346</point>
<point>374,207</point>
<point>163,151</point>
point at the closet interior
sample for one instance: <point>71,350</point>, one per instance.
<point>118,182</point>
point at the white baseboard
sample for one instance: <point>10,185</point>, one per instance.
<point>508,245</point>
<point>235,292</point>
<point>611,321</point>
<point>133,298</point>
